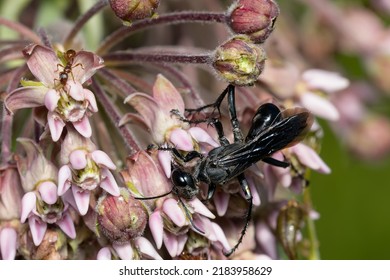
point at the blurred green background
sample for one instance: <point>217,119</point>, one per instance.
<point>353,202</point>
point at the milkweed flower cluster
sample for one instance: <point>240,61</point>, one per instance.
<point>101,125</point>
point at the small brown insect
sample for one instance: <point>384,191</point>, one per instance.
<point>69,57</point>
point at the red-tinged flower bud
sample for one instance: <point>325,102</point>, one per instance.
<point>121,218</point>
<point>129,10</point>
<point>239,61</point>
<point>254,18</point>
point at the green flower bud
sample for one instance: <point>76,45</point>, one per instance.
<point>239,61</point>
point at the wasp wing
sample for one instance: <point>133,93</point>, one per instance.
<point>285,133</point>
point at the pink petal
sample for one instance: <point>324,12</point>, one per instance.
<point>320,106</point>
<point>166,95</point>
<point>266,239</point>
<point>221,201</point>
<point>67,226</point>
<point>308,157</point>
<point>201,136</point>
<point>147,248</point>
<point>255,194</point>
<point>8,239</point>
<point>146,106</point>
<point>75,90</point>
<point>51,99</point>
<point>56,126</point>
<point>48,192</point>
<point>29,202</point>
<point>325,80</point>
<point>85,65</point>
<point>200,208</point>
<point>181,139</point>
<point>25,97</point>
<point>171,244</point>
<point>64,177</point>
<point>174,212</point>
<point>108,183</point>
<point>90,97</point>
<point>104,254</point>
<point>221,237</point>
<point>156,226</point>
<point>124,251</point>
<point>165,158</point>
<point>101,158</point>
<point>81,198</point>
<point>283,175</point>
<point>181,242</point>
<point>37,228</point>
<point>43,65</point>
<point>78,159</point>
<point>83,127</point>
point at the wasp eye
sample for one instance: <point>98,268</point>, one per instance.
<point>181,178</point>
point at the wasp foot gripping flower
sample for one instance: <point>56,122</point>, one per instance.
<point>239,61</point>
<point>41,204</point>
<point>122,220</point>
<point>84,169</point>
<point>167,129</point>
<point>129,10</point>
<point>254,18</point>
<point>64,96</point>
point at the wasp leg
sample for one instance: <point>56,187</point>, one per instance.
<point>215,105</point>
<point>238,137</point>
<point>276,162</point>
<point>248,196</point>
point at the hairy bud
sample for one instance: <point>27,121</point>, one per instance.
<point>254,18</point>
<point>121,218</point>
<point>239,61</point>
<point>129,10</point>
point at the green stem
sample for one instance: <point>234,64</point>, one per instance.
<point>80,22</point>
<point>21,29</point>
<point>311,229</point>
<point>170,18</point>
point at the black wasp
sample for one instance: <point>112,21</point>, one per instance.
<point>271,130</point>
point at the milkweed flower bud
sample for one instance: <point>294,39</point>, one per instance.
<point>121,218</point>
<point>254,18</point>
<point>129,10</point>
<point>239,61</point>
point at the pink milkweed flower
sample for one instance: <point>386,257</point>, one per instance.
<point>65,99</point>
<point>170,217</point>
<point>141,248</point>
<point>315,84</point>
<point>10,206</point>
<point>83,169</point>
<point>40,204</point>
<point>306,157</point>
<point>166,128</point>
